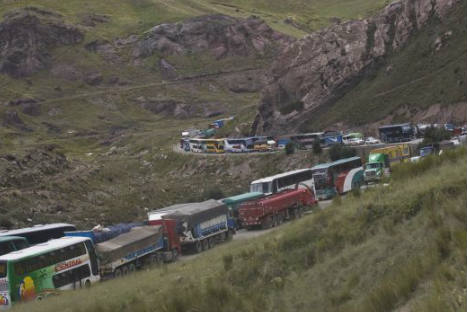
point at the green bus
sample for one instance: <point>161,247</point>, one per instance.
<point>45,269</point>
<point>12,243</point>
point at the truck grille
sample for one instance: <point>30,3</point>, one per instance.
<point>370,173</point>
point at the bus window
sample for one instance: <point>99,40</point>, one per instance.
<point>20,244</point>
<point>71,276</point>
<point>92,257</point>
<point>6,247</point>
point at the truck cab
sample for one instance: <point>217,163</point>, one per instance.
<point>376,167</point>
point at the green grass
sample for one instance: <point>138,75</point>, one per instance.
<point>388,248</point>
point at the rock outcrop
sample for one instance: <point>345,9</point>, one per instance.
<point>220,35</point>
<point>26,37</point>
<point>316,70</point>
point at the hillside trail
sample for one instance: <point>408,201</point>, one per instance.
<point>117,90</point>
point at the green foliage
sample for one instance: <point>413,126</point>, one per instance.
<point>433,136</point>
<point>339,151</point>
<point>290,148</point>
<point>213,192</point>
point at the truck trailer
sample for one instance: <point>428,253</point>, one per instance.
<point>200,226</point>
<point>132,247</point>
<point>380,160</point>
<point>274,209</point>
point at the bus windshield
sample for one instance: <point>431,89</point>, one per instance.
<point>261,187</point>
<point>321,180</point>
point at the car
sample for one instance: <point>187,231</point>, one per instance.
<point>356,141</point>
<point>372,140</point>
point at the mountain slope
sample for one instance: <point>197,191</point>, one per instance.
<point>354,73</point>
<point>394,248</point>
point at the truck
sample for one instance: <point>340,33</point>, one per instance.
<point>200,225</point>
<point>234,202</point>
<point>381,159</point>
<point>274,209</point>
<point>126,247</point>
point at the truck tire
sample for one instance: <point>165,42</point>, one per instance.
<point>198,247</point>
<point>205,244</point>
<point>118,273</point>
<point>174,254</point>
<point>212,242</point>
<point>125,270</point>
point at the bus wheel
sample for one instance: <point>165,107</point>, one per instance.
<point>118,273</point>
<point>198,247</point>
<point>132,267</point>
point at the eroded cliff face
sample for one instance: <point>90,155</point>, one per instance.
<point>26,37</point>
<point>316,70</point>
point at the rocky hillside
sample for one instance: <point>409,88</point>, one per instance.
<point>318,70</point>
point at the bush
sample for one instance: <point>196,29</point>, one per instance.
<point>339,151</point>
<point>289,148</point>
<point>317,147</point>
<point>435,135</point>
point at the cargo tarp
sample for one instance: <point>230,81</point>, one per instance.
<point>195,213</point>
<point>126,243</point>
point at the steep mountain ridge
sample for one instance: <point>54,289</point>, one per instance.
<point>314,72</point>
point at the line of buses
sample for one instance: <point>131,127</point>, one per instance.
<point>38,261</point>
<point>259,143</point>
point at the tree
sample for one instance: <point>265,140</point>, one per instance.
<point>213,192</point>
<point>435,135</point>
<point>317,147</point>
<point>290,148</point>
<point>339,151</point>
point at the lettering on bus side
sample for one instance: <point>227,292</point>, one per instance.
<point>67,264</point>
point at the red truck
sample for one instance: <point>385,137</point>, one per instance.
<point>276,208</point>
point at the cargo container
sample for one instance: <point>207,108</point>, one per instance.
<point>125,247</point>
<point>199,225</point>
<point>276,208</point>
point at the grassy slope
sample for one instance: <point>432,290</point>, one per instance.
<point>420,77</point>
<point>395,248</point>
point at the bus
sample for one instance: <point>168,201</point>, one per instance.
<point>207,145</point>
<point>397,133</point>
<point>239,145</point>
<point>40,233</point>
<point>306,140</point>
<point>282,181</point>
<point>337,177</point>
<point>45,269</point>
<point>12,243</point>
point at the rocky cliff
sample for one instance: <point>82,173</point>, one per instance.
<point>27,37</point>
<point>315,71</point>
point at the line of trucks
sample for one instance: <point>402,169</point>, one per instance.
<point>189,228</point>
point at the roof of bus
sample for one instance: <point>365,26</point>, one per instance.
<point>280,175</point>
<point>10,238</point>
<point>242,197</point>
<point>43,247</point>
<point>334,163</point>
<point>395,125</point>
<point>34,228</point>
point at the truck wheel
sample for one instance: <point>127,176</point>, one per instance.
<point>118,273</point>
<point>124,270</point>
<point>205,244</point>
<point>198,247</point>
<point>174,254</point>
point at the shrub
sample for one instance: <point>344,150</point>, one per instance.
<point>214,192</point>
<point>290,148</point>
<point>339,151</point>
<point>435,135</point>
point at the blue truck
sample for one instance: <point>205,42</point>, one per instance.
<point>201,225</point>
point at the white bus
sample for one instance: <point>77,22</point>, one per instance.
<point>282,181</point>
<point>43,269</point>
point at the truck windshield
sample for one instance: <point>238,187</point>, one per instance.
<point>373,166</point>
